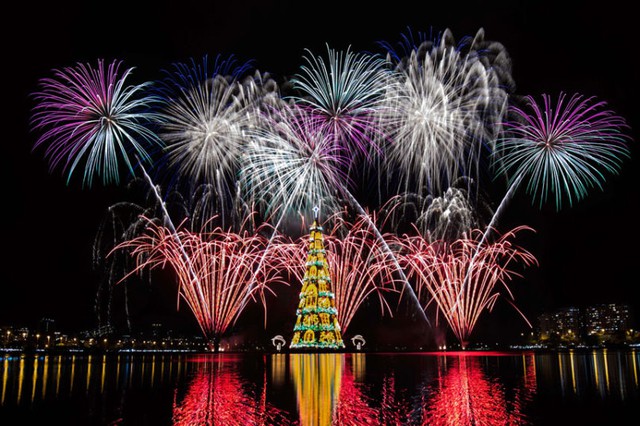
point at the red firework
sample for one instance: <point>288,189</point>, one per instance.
<point>463,277</point>
<point>216,271</point>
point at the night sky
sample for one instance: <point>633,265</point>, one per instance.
<point>588,253</point>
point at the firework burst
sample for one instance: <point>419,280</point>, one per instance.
<point>292,164</point>
<point>87,115</point>
<point>203,121</point>
<point>445,107</point>
<point>345,93</point>
<point>563,148</point>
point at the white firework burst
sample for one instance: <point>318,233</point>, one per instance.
<point>447,105</point>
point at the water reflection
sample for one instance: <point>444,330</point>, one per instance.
<point>34,378</point>
<point>609,373</point>
<point>464,394</point>
<point>317,389</point>
<point>217,394</point>
<point>317,379</point>
<point>354,406</point>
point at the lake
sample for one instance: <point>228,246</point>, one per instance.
<point>439,388</point>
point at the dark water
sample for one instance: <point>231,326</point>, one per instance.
<point>471,388</point>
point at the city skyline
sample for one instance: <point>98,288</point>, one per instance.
<point>586,253</point>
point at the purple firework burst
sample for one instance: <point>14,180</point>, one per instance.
<point>87,115</point>
<point>563,148</point>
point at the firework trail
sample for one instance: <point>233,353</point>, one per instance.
<point>87,115</point>
<point>359,266</point>
<point>443,111</point>
<point>122,221</point>
<point>216,273</point>
<point>461,277</point>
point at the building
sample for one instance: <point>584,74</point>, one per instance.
<point>609,318</point>
<point>563,322</point>
<point>47,326</point>
<point>594,324</point>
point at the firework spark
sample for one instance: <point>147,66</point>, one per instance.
<point>87,115</point>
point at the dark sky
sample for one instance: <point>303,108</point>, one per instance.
<point>587,254</point>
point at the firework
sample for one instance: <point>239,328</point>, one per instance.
<point>203,121</point>
<point>215,271</point>
<point>429,113</point>
<point>291,164</point>
<point>562,149</point>
<point>461,278</point>
<point>446,105</point>
<point>346,95</point>
<point>87,115</point>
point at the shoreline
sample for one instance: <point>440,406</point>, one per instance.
<point>8,352</point>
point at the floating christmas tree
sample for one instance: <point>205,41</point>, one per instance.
<point>317,323</point>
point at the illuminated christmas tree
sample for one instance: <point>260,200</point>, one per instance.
<point>317,323</point>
